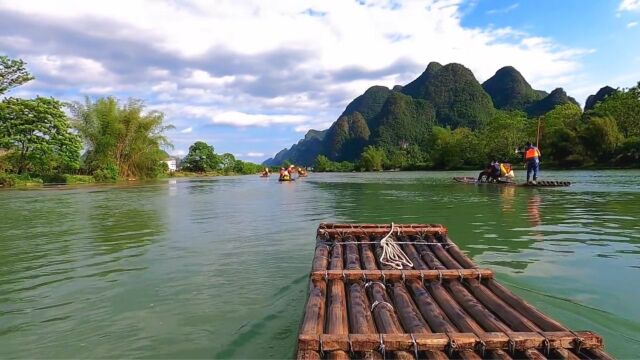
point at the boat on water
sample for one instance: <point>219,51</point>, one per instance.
<point>540,183</point>
<point>408,292</point>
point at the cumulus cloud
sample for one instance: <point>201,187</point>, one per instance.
<point>236,118</point>
<point>290,64</point>
<point>629,5</point>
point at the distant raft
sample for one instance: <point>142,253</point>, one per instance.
<point>441,306</point>
<point>540,183</point>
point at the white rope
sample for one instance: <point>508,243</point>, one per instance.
<point>392,254</point>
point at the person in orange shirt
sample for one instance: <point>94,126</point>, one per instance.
<point>532,159</point>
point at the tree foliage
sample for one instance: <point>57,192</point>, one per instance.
<point>36,135</point>
<point>12,73</point>
<point>201,158</point>
<point>373,158</point>
<point>121,136</point>
<point>624,107</point>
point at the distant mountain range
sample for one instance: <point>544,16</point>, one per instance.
<point>448,96</point>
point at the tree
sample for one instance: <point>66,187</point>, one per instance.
<point>624,107</point>
<point>601,137</point>
<point>201,158</point>
<point>372,158</point>
<point>503,134</point>
<point>37,135</point>
<point>12,74</point>
<point>124,137</point>
<point>322,164</point>
<point>227,162</point>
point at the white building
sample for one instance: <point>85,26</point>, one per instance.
<point>172,164</point>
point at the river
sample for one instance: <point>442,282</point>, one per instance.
<point>217,267</point>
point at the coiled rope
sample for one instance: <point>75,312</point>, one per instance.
<point>392,254</point>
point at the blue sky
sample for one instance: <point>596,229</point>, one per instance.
<point>251,77</point>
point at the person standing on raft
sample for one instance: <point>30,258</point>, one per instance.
<point>532,159</point>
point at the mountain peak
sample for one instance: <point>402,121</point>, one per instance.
<point>509,89</point>
<point>592,100</point>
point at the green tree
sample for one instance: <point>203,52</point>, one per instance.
<point>322,164</point>
<point>201,158</point>
<point>503,134</point>
<point>12,74</point>
<point>227,162</point>
<point>624,107</point>
<point>36,133</point>
<point>372,158</point>
<point>121,136</point>
<point>601,138</point>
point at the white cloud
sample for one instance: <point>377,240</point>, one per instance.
<point>236,118</point>
<point>255,63</point>
<point>255,154</point>
<point>165,87</point>
<point>504,10</point>
<point>186,130</point>
<point>629,5</point>
<point>632,24</point>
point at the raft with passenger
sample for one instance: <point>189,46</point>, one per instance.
<point>539,183</point>
<point>408,292</point>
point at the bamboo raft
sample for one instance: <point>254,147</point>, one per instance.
<point>443,307</point>
<point>541,183</point>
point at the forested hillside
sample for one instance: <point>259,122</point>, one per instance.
<point>446,119</point>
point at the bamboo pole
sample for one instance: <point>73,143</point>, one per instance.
<point>360,319</point>
<point>540,319</point>
<point>499,355</point>
<point>598,354</point>
<point>337,322</point>
<point>565,354</point>
<point>468,355</point>
<point>385,319</point>
<point>320,258</point>
<point>533,354</point>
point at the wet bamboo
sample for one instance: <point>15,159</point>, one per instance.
<point>533,354</point>
<point>540,319</point>
<point>384,311</point>
<point>487,299</point>
<point>337,322</point>
<point>565,354</point>
<point>598,354</point>
<point>430,310</point>
<point>360,319</point>
<point>428,257</point>
<point>499,355</point>
<point>468,355</point>
<point>308,355</point>
<point>320,258</point>
<point>529,312</point>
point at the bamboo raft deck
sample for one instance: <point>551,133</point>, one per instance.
<point>540,183</point>
<point>444,307</point>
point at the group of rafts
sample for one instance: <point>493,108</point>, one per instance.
<point>286,174</point>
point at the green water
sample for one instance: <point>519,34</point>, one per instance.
<point>216,268</point>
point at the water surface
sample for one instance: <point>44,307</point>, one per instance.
<point>217,267</point>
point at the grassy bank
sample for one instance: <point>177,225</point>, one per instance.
<point>26,180</point>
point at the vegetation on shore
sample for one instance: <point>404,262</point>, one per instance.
<point>121,140</point>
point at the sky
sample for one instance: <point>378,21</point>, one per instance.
<point>251,77</point>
